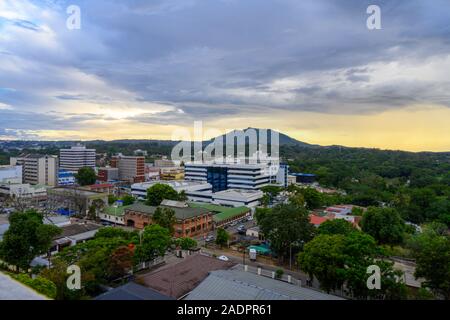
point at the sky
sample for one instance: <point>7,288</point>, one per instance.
<point>143,69</point>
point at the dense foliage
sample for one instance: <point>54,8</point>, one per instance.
<point>86,176</point>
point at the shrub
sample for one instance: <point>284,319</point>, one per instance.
<point>39,284</point>
<point>279,273</point>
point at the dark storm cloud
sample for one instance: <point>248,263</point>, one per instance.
<point>224,58</point>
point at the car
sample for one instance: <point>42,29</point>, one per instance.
<point>223,258</point>
<point>209,238</point>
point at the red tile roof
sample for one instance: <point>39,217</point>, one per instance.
<point>316,220</point>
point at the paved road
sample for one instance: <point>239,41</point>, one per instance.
<point>13,290</point>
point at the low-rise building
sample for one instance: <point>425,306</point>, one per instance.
<point>73,234</point>
<point>75,199</point>
<point>101,187</point>
<point>190,221</point>
<point>24,190</point>
<point>237,197</point>
<point>194,190</point>
<point>223,215</point>
<point>171,173</point>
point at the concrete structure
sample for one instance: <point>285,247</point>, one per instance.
<point>74,199</point>
<point>237,198</point>
<point>108,174</point>
<point>76,158</point>
<point>194,190</point>
<point>191,221</point>
<point>38,169</point>
<point>24,190</point>
<point>171,173</point>
<point>131,168</point>
<point>223,176</point>
<point>10,174</point>
<point>255,232</point>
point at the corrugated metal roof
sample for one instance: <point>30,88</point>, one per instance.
<point>239,285</point>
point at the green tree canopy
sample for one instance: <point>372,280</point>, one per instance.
<point>159,192</point>
<point>336,226</point>
<point>222,237</point>
<point>286,226</point>
<point>26,238</point>
<point>86,176</point>
<point>384,224</point>
<point>128,200</point>
<point>165,217</point>
<point>186,243</point>
<point>155,241</point>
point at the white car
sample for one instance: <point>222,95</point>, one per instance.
<point>223,258</point>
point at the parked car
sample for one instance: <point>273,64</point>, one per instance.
<point>223,258</point>
<point>209,238</point>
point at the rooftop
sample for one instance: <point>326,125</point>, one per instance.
<point>236,284</point>
<point>77,228</point>
<point>179,279</point>
<point>132,291</point>
<point>116,211</point>
<point>221,212</point>
<point>180,213</point>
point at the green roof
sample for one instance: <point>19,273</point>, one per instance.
<point>221,213</point>
<point>116,211</point>
<point>180,213</point>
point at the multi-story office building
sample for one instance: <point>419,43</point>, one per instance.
<point>76,158</point>
<point>10,174</point>
<point>107,174</point>
<point>236,176</point>
<point>38,169</point>
<point>131,168</point>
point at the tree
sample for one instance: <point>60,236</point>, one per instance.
<point>182,196</point>
<point>222,237</point>
<point>155,241</point>
<point>340,259</point>
<point>313,198</point>
<point>431,249</point>
<point>286,226</point>
<point>186,243</point>
<point>128,200</point>
<point>159,192</point>
<point>111,199</point>
<point>384,224</point>
<point>165,217</point>
<point>26,238</point>
<point>120,262</point>
<point>336,226</point>
<point>86,176</point>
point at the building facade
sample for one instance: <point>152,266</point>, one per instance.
<point>131,168</point>
<point>107,174</point>
<point>190,222</point>
<point>76,158</point>
<point>236,176</point>
<point>38,169</point>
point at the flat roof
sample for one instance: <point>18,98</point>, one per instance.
<point>116,211</point>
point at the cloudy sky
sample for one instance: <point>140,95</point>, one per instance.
<point>147,68</point>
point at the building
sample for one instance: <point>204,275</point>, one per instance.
<point>24,191</point>
<point>304,177</point>
<point>38,169</point>
<point>75,199</point>
<point>237,197</point>
<point>223,215</point>
<point>317,220</point>
<point>132,291</point>
<point>107,188</point>
<point>131,168</point>
<point>171,173</point>
<point>140,152</point>
<point>10,174</point>
<point>76,158</point>
<point>223,176</point>
<point>164,163</point>
<point>108,174</point>
<point>73,234</point>
<point>179,279</point>
<point>194,190</point>
<point>237,284</point>
<point>190,221</point>
<point>114,214</point>
<point>66,178</point>
<point>255,232</point>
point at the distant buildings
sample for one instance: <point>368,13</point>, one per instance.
<point>10,174</point>
<point>304,177</point>
<point>108,174</point>
<point>38,169</point>
<point>223,176</point>
<point>171,173</point>
<point>193,189</point>
<point>131,168</point>
<point>76,158</point>
<point>66,178</point>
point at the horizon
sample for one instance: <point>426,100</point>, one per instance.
<point>143,70</point>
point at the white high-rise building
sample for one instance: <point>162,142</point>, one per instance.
<point>38,169</point>
<point>76,158</point>
<point>10,174</point>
